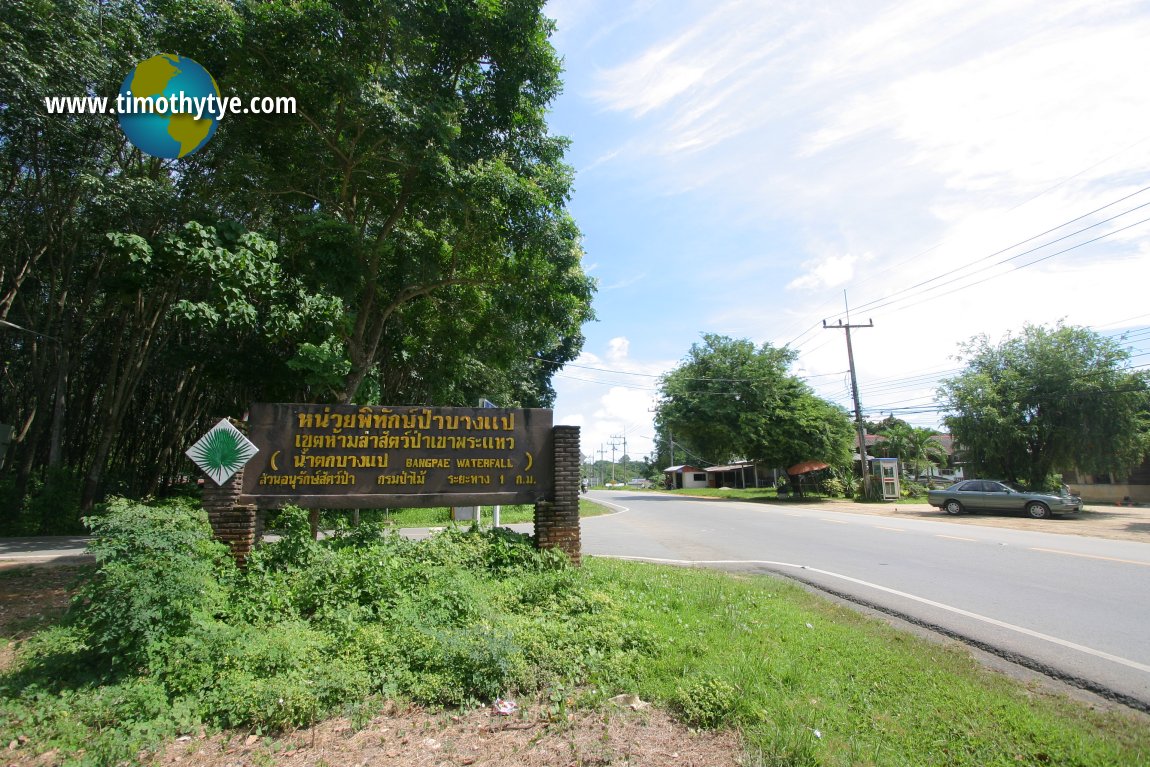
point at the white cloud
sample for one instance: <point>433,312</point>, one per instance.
<point>830,272</point>
<point>617,349</point>
<point>610,397</point>
<point>930,136</point>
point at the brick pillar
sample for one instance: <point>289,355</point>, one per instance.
<point>237,526</point>
<point>557,519</point>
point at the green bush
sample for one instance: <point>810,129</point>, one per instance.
<point>167,633</point>
<point>158,572</point>
<point>911,489</point>
<point>50,506</point>
<point>707,702</point>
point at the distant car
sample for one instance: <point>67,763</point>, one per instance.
<point>974,495</point>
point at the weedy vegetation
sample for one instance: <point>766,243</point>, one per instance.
<point>167,636</point>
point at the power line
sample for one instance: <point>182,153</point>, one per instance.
<point>875,275</point>
<point>661,375</point>
<point>994,276</point>
<point>1029,239</point>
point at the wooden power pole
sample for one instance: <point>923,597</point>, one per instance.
<point>863,473</point>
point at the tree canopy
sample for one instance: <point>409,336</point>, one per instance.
<point>729,399</point>
<point>915,447</point>
<point>403,238</point>
<point>1045,401</point>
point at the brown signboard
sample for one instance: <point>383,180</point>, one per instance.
<point>346,456</point>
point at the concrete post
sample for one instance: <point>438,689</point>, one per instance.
<point>557,518</point>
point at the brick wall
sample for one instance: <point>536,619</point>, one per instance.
<point>557,519</point>
<point>237,526</point>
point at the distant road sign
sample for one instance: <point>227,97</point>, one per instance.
<point>483,402</point>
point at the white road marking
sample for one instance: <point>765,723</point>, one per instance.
<point>957,538</point>
<point>892,529</point>
<point>1092,556</point>
<point>956,610</point>
<point>620,507</point>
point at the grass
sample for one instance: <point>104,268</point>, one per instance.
<point>441,516</point>
<point>812,683</point>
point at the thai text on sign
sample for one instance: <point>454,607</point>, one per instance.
<point>345,456</point>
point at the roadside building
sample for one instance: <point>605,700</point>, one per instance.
<point>741,474</point>
<point>677,477</point>
<point>950,470</point>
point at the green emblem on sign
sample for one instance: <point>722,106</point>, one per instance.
<point>222,451</point>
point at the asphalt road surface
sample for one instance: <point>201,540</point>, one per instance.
<point>1074,607</point>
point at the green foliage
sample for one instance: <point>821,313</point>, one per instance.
<point>833,484</point>
<point>707,702</point>
<point>915,447</point>
<point>404,238</point>
<point>167,624</point>
<point>909,489</point>
<point>158,574</point>
<point>1048,400</point>
<point>50,506</point>
<point>729,399</point>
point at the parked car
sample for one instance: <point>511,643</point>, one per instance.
<point>974,495</point>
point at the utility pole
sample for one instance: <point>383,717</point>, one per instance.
<point>863,473</point>
<point>624,438</point>
<point>602,477</point>
<point>613,446</point>
<point>625,477</point>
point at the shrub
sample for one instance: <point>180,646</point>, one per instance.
<point>706,703</point>
<point>167,633</point>
<point>158,572</point>
<point>50,506</point>
<point>910,489</point>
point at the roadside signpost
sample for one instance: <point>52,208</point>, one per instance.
<point>357,457</point>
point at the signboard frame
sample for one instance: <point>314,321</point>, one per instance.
<point>352,457</point>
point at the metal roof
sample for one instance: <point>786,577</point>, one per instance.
<point>732,467</point>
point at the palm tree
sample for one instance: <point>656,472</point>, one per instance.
<point>915,447</point>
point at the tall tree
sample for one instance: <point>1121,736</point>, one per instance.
<point>417,182</point>
<point>1048,400</point>
<point>404,236</point>
<point>730,399</point>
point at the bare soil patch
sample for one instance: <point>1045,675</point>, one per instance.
<point>415,738</point>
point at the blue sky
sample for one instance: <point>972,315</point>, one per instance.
<point>740,164</point>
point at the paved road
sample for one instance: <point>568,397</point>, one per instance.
<point>43,549</point>
<point>1076,607</point>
